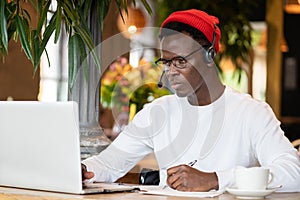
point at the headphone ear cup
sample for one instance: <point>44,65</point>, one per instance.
<point>210,54</point>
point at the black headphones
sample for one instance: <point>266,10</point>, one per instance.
<point>210,53</point>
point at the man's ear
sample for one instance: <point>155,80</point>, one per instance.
<point>210,54</point>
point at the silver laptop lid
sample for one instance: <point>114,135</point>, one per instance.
<point>39,146</point>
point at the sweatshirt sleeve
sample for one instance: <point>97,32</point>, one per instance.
<point>117,159</point>
<point>225,178</point>
<point>274,151</point>
<point>123,153</point>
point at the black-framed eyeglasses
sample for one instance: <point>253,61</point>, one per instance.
<point>179,62</point>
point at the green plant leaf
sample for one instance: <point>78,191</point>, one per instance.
<point>35,44</point>
<point>69,12</point>
<point>120,8</point>
<point>43,15</point>
<point>86,8</point>
<point>10,10</point>
<point>3,27</point>
<point>73,59</point>
<point>102,11</point>
<point>58,22</point>
<point>26,14</point>
<point>86,37</point>
<point>83,23</point>
<point>47,56</point>
<point>25,23</point>
<point>47,34</point>
<point>147,6</point>
<point>124,3</point>
<point>80,2</point>
<point>83,56</point>
<point>23,37</point>
<point>11,29</point>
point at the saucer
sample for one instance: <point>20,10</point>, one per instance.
<point>249,194</point>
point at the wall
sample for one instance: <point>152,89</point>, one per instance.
<point>16,73</point>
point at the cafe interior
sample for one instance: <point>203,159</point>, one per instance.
<point>267,69</point>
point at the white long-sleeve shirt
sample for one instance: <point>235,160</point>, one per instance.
<point>233,131</point>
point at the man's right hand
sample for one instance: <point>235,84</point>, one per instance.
<point>85,173</point>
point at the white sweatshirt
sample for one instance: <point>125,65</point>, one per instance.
<point>233,131</point>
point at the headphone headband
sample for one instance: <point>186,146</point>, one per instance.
<point>214,36</point>
<point>211,52</point>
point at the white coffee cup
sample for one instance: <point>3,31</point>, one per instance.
<point>254,178</point>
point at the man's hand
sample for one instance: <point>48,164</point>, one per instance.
<point>85,173</point>
<point>186,178</point>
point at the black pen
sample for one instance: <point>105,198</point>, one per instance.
<point>192,163</point>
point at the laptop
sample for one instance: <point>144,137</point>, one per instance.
<point>40,148</point>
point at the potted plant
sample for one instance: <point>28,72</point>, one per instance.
<point>74,15</point>
<point>83,21</point>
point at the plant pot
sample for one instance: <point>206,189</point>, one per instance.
<point>86,92</point>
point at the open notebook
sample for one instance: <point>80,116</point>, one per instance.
<point>40,148</point>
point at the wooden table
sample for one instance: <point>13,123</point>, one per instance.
<point>21,194</point>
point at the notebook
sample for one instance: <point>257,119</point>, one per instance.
<point>40,148</point>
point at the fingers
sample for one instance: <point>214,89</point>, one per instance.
<point>172,180</point>
<point>88,175</point>
<point>177,177</point>
<point>176,169</point>
<point>182,185</point>
<point>179,184</point>
<point>85,173</point>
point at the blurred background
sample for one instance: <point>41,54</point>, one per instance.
<point>260,55</point>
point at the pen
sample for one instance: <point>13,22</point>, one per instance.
<point>192,163</point>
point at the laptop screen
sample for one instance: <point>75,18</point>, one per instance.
<point>39,145</point>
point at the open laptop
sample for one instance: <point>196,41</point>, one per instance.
<point>40,148</point>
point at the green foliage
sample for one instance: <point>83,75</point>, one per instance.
<point>73,14</point>
<point>147,93</point>
<point>123,85</point>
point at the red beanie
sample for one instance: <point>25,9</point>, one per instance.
<point>199,20</point>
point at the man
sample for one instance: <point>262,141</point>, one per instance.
<point>203,133</point>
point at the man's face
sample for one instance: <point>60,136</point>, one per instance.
<point>185,81</point>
